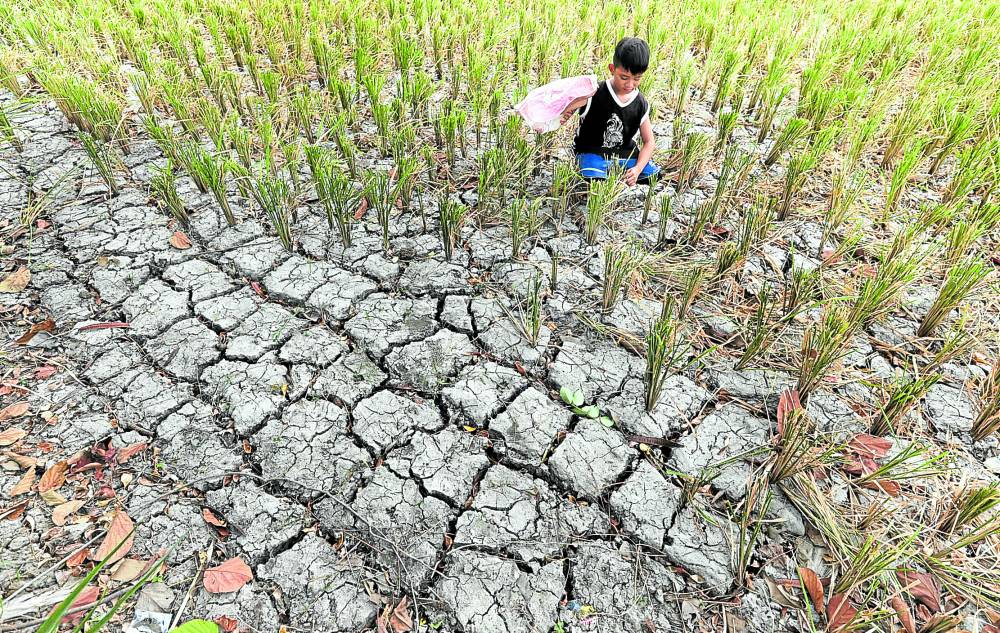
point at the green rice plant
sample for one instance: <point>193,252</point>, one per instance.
<point>959,342</point>
<point>678,133</point>
<point>750,523</point>
<point>163,137</point>
<point>9,72</point>
<point>874,558</point>
<point>761,329</point>
<point>904,127</point>
<point>451,217</point>
<point>163,185</point>
<point>729,64</point>
<point>801,166</point>
<point>685,75</point>
<point>879,294</point>
<point>209,116</point>
<point>565,179</point>
<point>648,200</point>
<point>727,123</point>
<point>968,505</point>
<point>901,175</point>
<point>665,352</point>
<point>380,193</point>
<point>407,170</point>
<point>621,261</point>
<point>696,150</point>
<point>771,100</point>
<point>903,395</point>
<point>798,449</point>
<point>802,287</point>
<point>86,105</point>
<point>274,197</point>
<point>823,344</point>
<point>957,128</point>
<point>961,280</point>
<point>348,150</point>
<point>726,259</point>
<point>523,216</point>
<point>663,220</point>
<point>912,463</point>
<point>845,193</point>
<point>691,287</point>
<point>790,135</point>
<point>338,195</point>
<point>976,163</point>
<point>304,105</point>
<point>601,200</point>
<point>7,133</point>
<point>105,159</point>
<point>988,421</point>
<point>211,171</point>
<point>529,318</point>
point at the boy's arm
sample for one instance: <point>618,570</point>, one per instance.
<point>648,145</point>
<point>574,105</point>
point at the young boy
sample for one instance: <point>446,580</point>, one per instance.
<point>613,117</point>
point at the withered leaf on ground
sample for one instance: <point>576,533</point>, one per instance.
<point>867,445</point>
<point>77,559</point>
<point>226,623</point>
<point>15,410</point>
<point>128,569</point>
<point>903,613</point>
<point>839,612</point>
<point>45,371</point>
<point>52,497</point>
<point>24,484</point>
<point>814,589</point>
<point>211,518</point>
<point>180,241</point>
<point>54,477</point>
<point>120,531</point>
<point>227,577</point>
<point>62,511</point>
<point>11,435</point>
<point>85,598</point>
<point>129,451</point>
<point>922,587</point>
<point>45,326</point>
<point>400,621</point>
<point>16,281</point>
<point>24,461</point>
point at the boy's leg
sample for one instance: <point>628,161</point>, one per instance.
<point>592,166</point>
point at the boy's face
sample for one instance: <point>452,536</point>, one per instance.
<point>622,80</point>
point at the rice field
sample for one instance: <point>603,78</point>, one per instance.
<point>827,222</point>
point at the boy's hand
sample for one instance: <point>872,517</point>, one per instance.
<point>567,113</point>
<point>632,175</point>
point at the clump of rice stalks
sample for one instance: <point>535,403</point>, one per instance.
<point>274,197</point>
<point>962,279</point>
<point>692,285</point>
<point>726,259</point>
<point>966,231</point>
<point>451,216</point>
<point>529,319</point>
<point>7,133</point>
<point>845,193</point>
<point>976,163</point>
<point>879,293</point>
<point>957,128</point>
<point>696,150</point>
<point>801,165</point>
<point>339,196</point>
<point>211,171</point>
<point>772,97</point>
<point>871,560</point>
<point>381,196</point>
<point>105,159</point>
<point>761,329</point>
<point>564,180</point>
<point>523,222</point>
<point>750,523</point>
<point>903,128</point>
<point>823,344</point>
<point>648,201</point>
<point>901,175</point>
<point>727,123</point>
<point>988,421</point>
<point>793,131</point>
<point>902,397</point>
<point>620,262</point>
<point>164,186</point>
<point>959,342</point>
<point>664,352</point>
<point>968,505</point>
<point>802,287</point>
<point>663,221</point>
<point>798,449</point>
<point>8,74</point>
<point>600,202</point>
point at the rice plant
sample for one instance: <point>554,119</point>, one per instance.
<point>798,448</point>
<point>663,220</point>
<point>621,260</point>
<point>968,505</point>
<point>961,280</point>
<point>530,316</point>
<point>727,123</point>
<point>696,149</point>
<point>988,421</point>
<point>902,397</point>
<point>823,344</point>
<point>845,193</point>
<point>761,329</point>
<point>600,202</point>
<point>380,193</point>
<point>7,133</point>
<point>901,175</point>
<point>523,216</point>
<point>665,352</point>
<point>274,197</point>
<point>802,287</point>
<point>647,205</point>
<point>105,160</point>
<point>790,135</point>
<point>164,186</point>
<point>451,216</point>
<point>339,196</point>
<point>211,171</point>
<point>879,294</point>
<point>565,178</point>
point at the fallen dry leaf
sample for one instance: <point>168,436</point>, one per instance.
<point>129,451</point>
<point>840,612</point>
<point>54,477</point>
<point>11,435</point>
<point>62,511</point>
<point>211,518</point>
<point>814,589</point>
<point>102,326</point>
<point>16,281</point>
<point>922,587</point>
<point>53,498</point>
<point>85,598</point>
<point>14,512</point>
<point>180,241</point>
<point>45,326</point>
<point>77,559</point>
<point>120,531</point>
<point>361,209</point>
<point>227,577</point>
<point>15,410</point>
<point>866,445</point>
<point>400,620</point>
<point>227,624</point>
<point>23,461</point>
<point>891,488</point>
<point>903,613</point>
<point>128,569</point>
<point>24,485</point>
<point>45,371</point>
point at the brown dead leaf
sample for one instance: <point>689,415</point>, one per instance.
<point>24,485</point>
<point>129,451</point>
<point>400,620</point>
<point>120,531</point>
<point>102,326</point>
<point>211,518</point>
<point>77,559</point>
<point>814,589</point>
<point>361,209</point>
<point>14,512</point>
<point>23,461</point>
<point>128,569</point>
<point>11,435</point>
<point>85,598</point>
<point>903,612</point>
<point>922,587</point>
<point>226,623</point>
<point>888,486</point>
<point>54,477</point>
<point>227,577</point>
<point>45,371</point>
<point>840,612</point>
<point>53,498</point>
<point>15,410</point>
<point>16,281</point>
<point>62,511</point>
<point>45,326</point>
<point>180,241</point>
<point>867,445</point>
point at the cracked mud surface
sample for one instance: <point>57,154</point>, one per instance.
<point>378,426</point>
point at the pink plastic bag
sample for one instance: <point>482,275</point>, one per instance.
<point>544,105</point>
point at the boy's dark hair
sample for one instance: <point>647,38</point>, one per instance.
<point>632,54</point>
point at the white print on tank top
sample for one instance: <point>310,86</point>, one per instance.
<point>613,133</point>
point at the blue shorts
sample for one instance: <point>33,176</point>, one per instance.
<point>596,166</point>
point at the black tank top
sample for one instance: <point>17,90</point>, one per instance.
<point>609,128</point>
